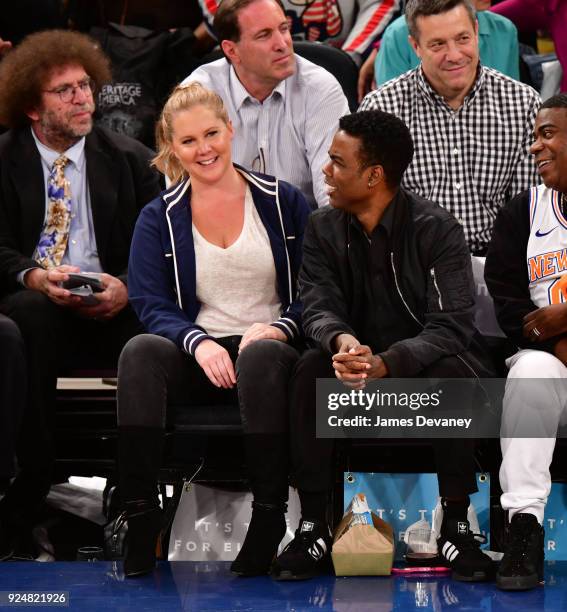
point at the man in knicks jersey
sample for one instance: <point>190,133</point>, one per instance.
<point>526,274</point>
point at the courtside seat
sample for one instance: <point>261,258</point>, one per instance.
<point>86,433</point>
<point>224,419</point>
<point>85,427</point>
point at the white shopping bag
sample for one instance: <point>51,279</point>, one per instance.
<point>210,524</point>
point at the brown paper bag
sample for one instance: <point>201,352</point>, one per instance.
<point>363,544</point>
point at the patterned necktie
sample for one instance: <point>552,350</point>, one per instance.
<point>55,234</point>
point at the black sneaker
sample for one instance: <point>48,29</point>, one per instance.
<point>460,549</point>
<point>521,567</point>
<point>307,555</point>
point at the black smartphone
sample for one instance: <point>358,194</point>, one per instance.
<point>77,280</point>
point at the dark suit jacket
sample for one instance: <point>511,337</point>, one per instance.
<point>120,182</point>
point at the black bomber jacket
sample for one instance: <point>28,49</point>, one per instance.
<point>433,278</point>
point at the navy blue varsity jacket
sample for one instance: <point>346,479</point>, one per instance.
<point>161,271</point>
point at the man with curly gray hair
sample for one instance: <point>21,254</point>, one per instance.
<point>69,197</point>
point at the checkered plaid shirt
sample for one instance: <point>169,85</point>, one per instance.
<point>472,160</point>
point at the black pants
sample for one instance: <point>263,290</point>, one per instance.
<point>454,458</point>
<point>55,340</point>
<point>13,388</point>
<point>276,394</point>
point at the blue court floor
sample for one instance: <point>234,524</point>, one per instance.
<point>210,586</point>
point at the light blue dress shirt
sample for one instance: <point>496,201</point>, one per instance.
<point>288,134</point>
<point>81,248</point>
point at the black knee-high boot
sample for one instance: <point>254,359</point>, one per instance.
<point>139,458</point>
<point>268,460</point>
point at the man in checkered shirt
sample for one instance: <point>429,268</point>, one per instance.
<point>472,126</point>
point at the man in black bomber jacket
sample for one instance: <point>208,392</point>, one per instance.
<point>387,290</point>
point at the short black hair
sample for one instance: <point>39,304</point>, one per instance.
<point>557,101</point>
<point>426,8</point>
<point>385,141</point>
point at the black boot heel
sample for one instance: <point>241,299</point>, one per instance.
<point>139,457</point>
<point>144,525</point>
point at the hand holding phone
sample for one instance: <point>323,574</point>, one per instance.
<point>84,285</point>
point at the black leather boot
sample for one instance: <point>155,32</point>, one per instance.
<point>267,462</point>
<point>266,529</point>
<point>139,458</point>
<point>144,525</point>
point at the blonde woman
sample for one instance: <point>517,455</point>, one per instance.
<point>213,278</point>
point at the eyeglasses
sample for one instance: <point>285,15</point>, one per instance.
<point>67,92</point>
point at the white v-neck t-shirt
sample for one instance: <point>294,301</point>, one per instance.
<point>236,286</point>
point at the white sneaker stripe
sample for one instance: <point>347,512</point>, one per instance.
<point>447,547</point>
<point>450,551</point>
<point>318,549</point>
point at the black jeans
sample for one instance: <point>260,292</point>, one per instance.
<point>454,458</point>
<point>312,457</point>
<point>13,389</point>
<point>275,391</point>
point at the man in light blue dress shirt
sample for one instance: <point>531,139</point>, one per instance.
<point>284,108</point>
